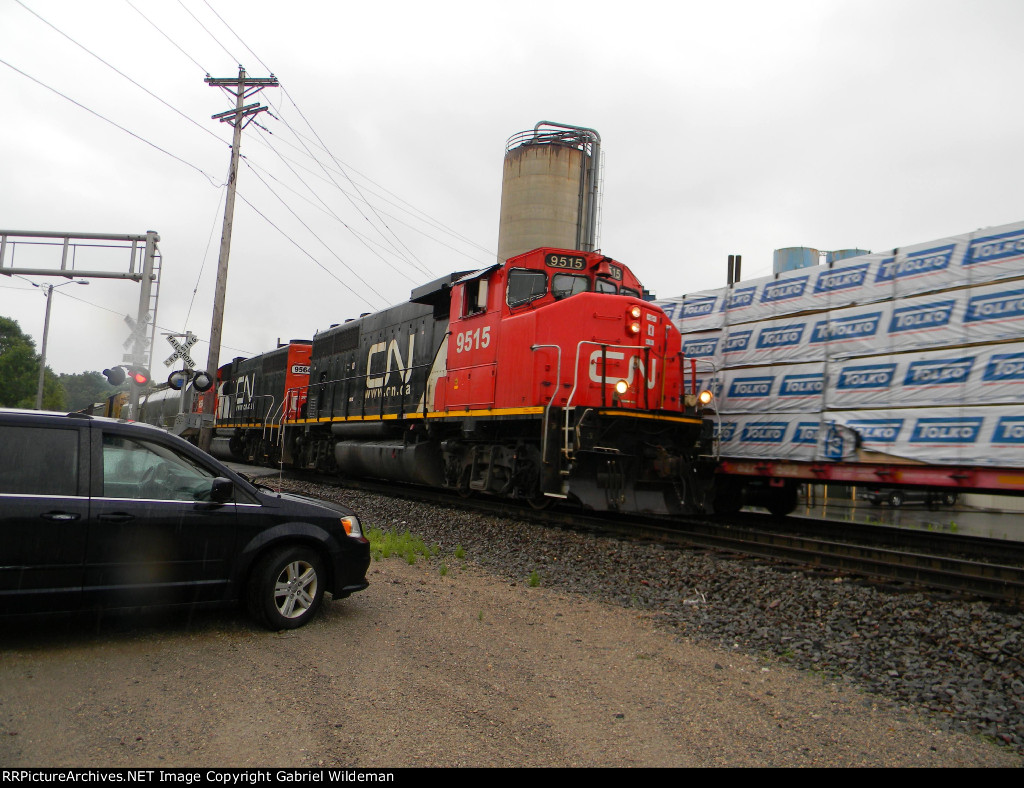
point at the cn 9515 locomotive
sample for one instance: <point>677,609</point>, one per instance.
<point>545,377</point>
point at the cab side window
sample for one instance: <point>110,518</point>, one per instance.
<point>38,461</point>
<point>143,470</point>
<point>475,297</point>
<point>525,286</point>
<point>604,286</point>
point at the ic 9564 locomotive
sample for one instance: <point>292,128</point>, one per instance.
<point>545,377</point>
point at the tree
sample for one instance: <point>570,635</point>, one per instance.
<point>19,371</point>
<point>85,388</point>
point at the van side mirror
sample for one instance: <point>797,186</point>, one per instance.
<point>222,490</point>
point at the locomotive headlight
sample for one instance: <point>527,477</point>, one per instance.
<point>621,387</point>
<point>634,327</point>
<point>705,397</point>
<point>634,312</point>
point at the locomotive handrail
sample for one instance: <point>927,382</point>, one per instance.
<point>547,408</point>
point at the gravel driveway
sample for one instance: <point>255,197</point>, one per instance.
<point>466,669</point>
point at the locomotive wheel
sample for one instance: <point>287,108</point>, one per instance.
<point>286,588</point>
<point>896,499</point>
<point>540,502</point>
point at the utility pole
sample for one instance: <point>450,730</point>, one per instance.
<point>242,88</point>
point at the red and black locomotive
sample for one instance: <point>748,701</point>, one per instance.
<point>545,377</point>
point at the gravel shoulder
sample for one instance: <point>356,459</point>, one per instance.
<point>466,669</point>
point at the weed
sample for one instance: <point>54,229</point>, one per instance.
<point>480,616</point>
<point>534,579</point>
<point>444,570</point>
<point>460,553</point>
<point>384,544</point>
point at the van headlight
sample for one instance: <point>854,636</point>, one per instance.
<point>351,525</point>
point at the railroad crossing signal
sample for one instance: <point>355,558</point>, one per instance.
<point>138,330</point>
<point>181,349</point>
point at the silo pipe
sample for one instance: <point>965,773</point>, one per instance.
<point>595,161</point>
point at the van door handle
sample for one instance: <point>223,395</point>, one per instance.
<point>116,517</point>
<point>61,516</point>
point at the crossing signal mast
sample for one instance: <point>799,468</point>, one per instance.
<point>241,88</point>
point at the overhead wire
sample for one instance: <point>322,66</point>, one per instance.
<point>213,181</point>
<point>223,22</point>
<point>119,72</point>
<point>206,254</point>
<point>305,199</point>
<point>326,270</point>
<point>402,205</point>
<point>349,268</point>
<point>417,262</point>
<point>372,208</point>
<point>211,35</point>
<point>342,221</point>
<point>161,32</point>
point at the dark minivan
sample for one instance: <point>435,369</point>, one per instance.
<point>100,514</point>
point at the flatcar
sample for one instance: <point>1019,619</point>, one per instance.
<point>546,377</point>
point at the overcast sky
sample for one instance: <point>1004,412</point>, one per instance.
<point>728,127</point>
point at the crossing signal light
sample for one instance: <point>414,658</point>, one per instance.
<point>203,381</point>
<point>114,376</point>
<point>138,376</point>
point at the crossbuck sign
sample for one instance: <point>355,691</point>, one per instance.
<point>181,349</point>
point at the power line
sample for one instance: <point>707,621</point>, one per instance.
<point>352,230</point>
<point>119,313</point>
<point>211,35</point>
<point>340,220</point>
<point>206,254</point>
<point>318,263</point>
<point>213,181</point>
<point>405,206</point>
<point>251,52</point>
<point>310,229</point>
<point>118,71</point>
<point>161,32</point>
<point>354,185</point>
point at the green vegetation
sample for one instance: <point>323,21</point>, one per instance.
<point>460,553</point>
<point>85,388</point>
<point>534,580</point>
<point>19,371</point>
<point>19,377</point>
<point>384,544</point>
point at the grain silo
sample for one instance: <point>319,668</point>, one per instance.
<point>549,189</point>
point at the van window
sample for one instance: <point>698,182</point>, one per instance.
<point>38,461</point>
<point>140,469</point>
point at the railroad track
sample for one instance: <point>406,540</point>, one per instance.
<point>988,568</point>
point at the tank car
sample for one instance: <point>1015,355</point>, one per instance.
<point>546,377</point>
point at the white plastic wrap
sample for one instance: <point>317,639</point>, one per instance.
<point>917,353</point>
